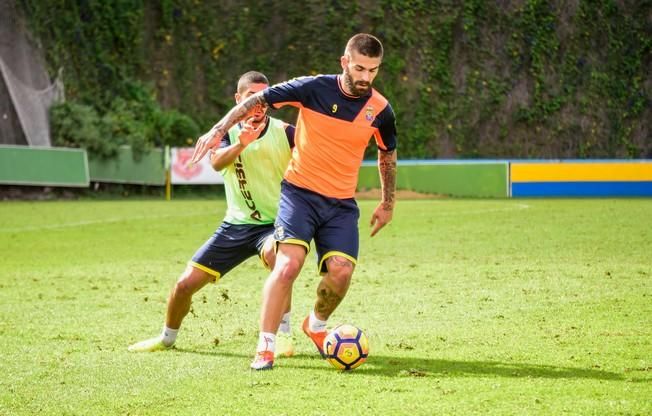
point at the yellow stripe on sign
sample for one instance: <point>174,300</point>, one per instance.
<point>577,172</point>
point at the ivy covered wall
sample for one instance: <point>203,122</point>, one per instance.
<point>467,79</point>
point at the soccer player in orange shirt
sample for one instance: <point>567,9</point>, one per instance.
<point>338,115</point>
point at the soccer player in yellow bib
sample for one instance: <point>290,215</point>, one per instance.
<point>252,158</point>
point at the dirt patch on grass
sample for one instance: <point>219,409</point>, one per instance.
<point>400,194</point>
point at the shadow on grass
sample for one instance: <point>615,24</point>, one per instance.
<point>389,366</point>
<point>421,367</point>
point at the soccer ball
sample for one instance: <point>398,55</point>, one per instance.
<point>346,347</point>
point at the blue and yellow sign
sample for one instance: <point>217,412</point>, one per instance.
<point>581,178</point>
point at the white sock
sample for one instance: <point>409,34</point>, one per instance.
<point>315,324</point>
<point>266,342</point>
<point>284,328</point>
<point>168,336</point>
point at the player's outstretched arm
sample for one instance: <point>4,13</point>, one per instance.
<point>225,156</point>
<point>383,213</point>
<point>211,139</point>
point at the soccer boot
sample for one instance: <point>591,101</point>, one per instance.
<point>149,345</point>
<point>264,361</point>
<point>284,345</point>
<point>316,337</point>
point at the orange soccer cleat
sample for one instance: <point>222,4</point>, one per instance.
<point>316,337</point>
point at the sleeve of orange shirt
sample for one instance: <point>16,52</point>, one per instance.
<point>289,133</point>
<point>386,124</point>
<point>288,93</point>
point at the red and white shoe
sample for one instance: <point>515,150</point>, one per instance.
<point>316,337</point>
<point>264,361</point>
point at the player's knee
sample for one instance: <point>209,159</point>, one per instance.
<point>184,288</point>
<point>288,269</point>
<point>339,279</point>
<point>191,281</point>
<point>340,270</point>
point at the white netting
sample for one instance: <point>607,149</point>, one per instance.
<point>26,80</point>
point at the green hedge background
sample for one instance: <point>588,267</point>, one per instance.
<point>467,79</point>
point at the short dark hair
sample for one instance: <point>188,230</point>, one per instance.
<point>365,44</point>
<point>251,77</point>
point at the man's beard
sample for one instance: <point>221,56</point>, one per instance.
<point>359,88</point>
<point>260,120</point>
<point>260,114</point>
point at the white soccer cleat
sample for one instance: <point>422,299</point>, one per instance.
<point>149,345</point>
<point>284,345</point>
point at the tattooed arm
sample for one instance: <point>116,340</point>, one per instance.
<point>238,113</point>
<point>383,213</point>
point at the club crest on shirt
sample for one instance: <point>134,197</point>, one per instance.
<point>279,233</point>
<point>334,108</point>
<point>369,113</point>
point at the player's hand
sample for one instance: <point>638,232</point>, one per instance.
<point>205,143</point>
<point>380,218</point>
<point>249,133</point>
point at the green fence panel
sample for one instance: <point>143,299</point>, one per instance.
<point>44,166</point>
<point>145,169</point>
<point>466,179</point>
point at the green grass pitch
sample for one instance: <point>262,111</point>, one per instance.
<point>472,307</point>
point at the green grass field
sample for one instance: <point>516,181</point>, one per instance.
<point>472,307</point>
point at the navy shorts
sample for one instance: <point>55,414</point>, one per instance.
<point>229,246</point>
<point>304,215</point>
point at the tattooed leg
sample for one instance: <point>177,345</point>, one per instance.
<point>333,286</point>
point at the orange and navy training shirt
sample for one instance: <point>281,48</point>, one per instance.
<point>332,131</point>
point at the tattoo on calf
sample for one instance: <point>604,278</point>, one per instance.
<point>327,300</point>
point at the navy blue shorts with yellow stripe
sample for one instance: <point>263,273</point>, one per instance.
<point>230,245</point>
<point>304,215</point>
